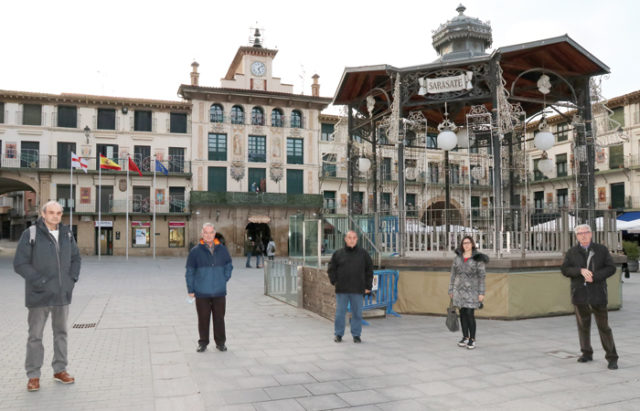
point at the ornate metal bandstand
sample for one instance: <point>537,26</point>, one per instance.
<point>480,104</point>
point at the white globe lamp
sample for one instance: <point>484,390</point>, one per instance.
<point>544,140</point>
<point>545,166</point>
<point>364,164</point>
<point>447,140</point>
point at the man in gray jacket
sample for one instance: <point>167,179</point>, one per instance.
<point>49,260</point>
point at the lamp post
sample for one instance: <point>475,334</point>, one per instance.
<point>447,140</point>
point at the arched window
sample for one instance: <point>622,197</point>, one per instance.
<point>216,113</point>
<point>237,115</point>
<point>257,116</point>
<point>277,118</point>
<point>296,119</point>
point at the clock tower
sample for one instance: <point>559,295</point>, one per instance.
<point>251,68</point>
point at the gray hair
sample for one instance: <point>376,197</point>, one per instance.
<point>582,227</point>
<point>208,225</point>
<point>48,203</point>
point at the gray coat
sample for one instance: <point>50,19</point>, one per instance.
<point>467,279</point>
<point>50,268</point>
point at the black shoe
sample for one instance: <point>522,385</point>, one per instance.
<point>357,340</point>
<point>613,365</point>
<point>338,338</point>
<point>221,347</point>
<point>585,358</point>
<point>201,348</point>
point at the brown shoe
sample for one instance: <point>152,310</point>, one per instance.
<point>33,384</point>
<point>64,377</point>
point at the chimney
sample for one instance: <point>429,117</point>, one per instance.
<point>194,73</point>
<point>315,87</point>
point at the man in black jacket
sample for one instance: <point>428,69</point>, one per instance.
<point>351,272</point>
<point>588,265</point>
<point>50,265</point>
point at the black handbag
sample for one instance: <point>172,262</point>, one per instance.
<point>452,318</point>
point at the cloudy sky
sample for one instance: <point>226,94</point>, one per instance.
<point>139,48</point>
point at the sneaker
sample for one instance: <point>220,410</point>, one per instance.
<point>338,338</point>
<point>33,384</point>
<point>471,344</point>
<point>64,377</point>
<point>463,342</point>
<point>357,340</point>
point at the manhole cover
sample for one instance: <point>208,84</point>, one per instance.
<point>562,354</point>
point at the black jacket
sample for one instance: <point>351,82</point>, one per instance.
<point>602,267</point>
<point>50,269</point>
<point>351,270</point>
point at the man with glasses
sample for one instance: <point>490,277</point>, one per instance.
<point>588,265</point>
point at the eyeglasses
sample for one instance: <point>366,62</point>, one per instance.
<point>466,242</point>
<point>584,233</point>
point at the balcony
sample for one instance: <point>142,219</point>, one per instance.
<point>206,198</point>
<point>31,160</point>
<point>175,205</point>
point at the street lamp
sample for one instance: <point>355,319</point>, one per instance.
<point>447,139</point>
<point>87,132</point>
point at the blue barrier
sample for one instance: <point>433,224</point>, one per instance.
<point>385,295</point>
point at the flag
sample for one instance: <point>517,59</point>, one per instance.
<point>108,163</point>
<point>79,162</point>
<point>134,167</point>
<point>161,168</point>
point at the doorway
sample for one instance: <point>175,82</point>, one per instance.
<point>106,240</point>
<point>259,232</point>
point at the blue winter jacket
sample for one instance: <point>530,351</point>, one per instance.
<point>207,273</point>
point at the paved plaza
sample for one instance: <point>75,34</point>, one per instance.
<point>136,351</point>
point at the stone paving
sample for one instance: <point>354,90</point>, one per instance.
<point>141,353</point>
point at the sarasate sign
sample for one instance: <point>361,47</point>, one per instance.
<point>445,84</point>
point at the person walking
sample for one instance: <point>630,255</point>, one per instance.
<point>271,249</point>
<point>47,257</point>
<point>258,251</point>
<point>588,265</point>
<point>467,287</point>
<point>208,271</point>
<point>249,245</point>
<point>351,272</point>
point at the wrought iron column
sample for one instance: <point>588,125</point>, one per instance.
<point>585,154</point>
<point>350,167</point>
<point>496,146</point>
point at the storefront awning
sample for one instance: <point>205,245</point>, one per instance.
<point>259,219</point>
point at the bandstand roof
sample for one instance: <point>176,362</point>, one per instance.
<point>560,54</point>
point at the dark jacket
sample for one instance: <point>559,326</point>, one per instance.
<point>602,267</point>
<point>351,270</point>
<point>207,273</point>
<point>50,268</point>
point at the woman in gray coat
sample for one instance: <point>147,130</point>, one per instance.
<point>466,287</point>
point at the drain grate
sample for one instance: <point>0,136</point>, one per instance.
<point>85,325</point>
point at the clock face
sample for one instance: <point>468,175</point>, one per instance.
<point>258,68</point>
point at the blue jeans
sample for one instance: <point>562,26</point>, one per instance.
<point>248,259</point>
<point>259,259</point>
<point>342,300</point>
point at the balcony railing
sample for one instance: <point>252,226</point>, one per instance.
<point>31,160</point>
<point>175,205</point>
<point>206,198</point>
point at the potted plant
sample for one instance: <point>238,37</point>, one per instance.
<point>632,251</point>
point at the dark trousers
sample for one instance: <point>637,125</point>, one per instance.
<point>583,317</point>
<point>206,307</point>
<point>468,322</point>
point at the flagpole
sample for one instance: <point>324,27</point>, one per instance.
<point>71,199</point>
<point>127,207</point>
<point>155,167</point>
<point>99,204</point>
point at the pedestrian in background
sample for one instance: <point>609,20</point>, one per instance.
<point>47,257</point>
<point>588,265</point>
<point>467,287</point>
<point>249,245</point>
<point>208,271</point>
<point>259,252</point>
<point>271,249</point>
<point>351,272</point>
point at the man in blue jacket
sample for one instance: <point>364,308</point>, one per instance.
<point>208,270</point>
<point>48,259</point>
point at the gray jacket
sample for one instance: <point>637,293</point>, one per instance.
<point>50,268</point>
<point>467,279</point>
